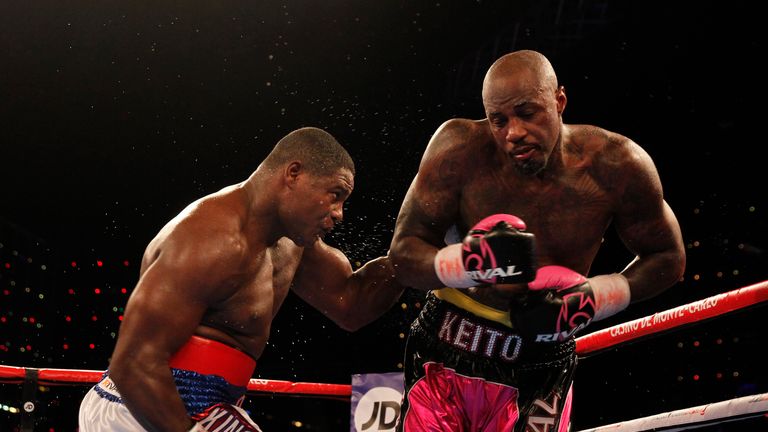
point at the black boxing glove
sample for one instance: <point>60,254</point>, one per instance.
<point>562,302</point>
<point>495,251</point>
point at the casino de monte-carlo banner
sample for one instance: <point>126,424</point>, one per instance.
<point>376,401</point>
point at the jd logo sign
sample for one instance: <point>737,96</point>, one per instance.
<point>377,410</point>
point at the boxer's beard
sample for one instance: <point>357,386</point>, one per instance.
<point>531,166</point>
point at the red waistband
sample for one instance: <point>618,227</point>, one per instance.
<point>209,357</point>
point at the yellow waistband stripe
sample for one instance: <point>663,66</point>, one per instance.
<point>459,299</point>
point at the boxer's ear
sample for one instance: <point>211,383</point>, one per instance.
<point>292,172</point>
<point>561,98</point>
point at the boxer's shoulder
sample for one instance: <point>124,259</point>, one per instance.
<point>462,134</point>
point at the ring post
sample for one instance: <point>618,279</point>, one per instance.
<point>29,398</point>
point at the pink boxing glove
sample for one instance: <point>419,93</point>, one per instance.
<point>495,251</point>
<point>562,302</point>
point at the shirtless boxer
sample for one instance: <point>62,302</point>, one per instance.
<point>490,351</point>
<point>213,279</point>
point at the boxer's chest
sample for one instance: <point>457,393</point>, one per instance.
<point>567,215</point>
<point>262,289</point>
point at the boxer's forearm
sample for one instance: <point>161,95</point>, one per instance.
<point>375,289</point>
<point>351,299</point>
<point>413,261</point>
<point>654,273</point>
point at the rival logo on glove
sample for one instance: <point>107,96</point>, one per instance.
<point>576,312</point>
<point>489,275</point>
<point>559,337</point>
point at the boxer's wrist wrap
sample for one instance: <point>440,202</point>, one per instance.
<point>450,268</point>
<point>612,294</point>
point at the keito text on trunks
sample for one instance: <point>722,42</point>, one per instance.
<point>476,338</point>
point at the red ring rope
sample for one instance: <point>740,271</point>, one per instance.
<point>661,321</point>
<point>16,375</point>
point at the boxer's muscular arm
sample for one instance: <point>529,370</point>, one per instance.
<point>162,313</point>
<point>430,207</point>
<point>326,281</point>
<point>649,229</point>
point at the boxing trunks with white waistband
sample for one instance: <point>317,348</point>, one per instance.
<point>208,375</point>
<point>467,370</point>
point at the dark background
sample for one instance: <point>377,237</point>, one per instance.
<point>115,115</point>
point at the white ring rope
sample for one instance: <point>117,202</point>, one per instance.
<point>695,417</point>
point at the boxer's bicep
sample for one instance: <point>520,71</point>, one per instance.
<point>162,313</point>
<point>321,277</point>
<point>172,296</point>
<point>430,207</point>
<point>431,204</point>
<point>649,228</point>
